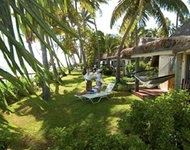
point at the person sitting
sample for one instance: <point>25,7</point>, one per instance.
<point>95,89</point>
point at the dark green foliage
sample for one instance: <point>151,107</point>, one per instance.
<point>39,80</point>
<point>143,65</point>
<point>130,68</point>
<point>5,138</point>
<point>89,137</point>
<point>162,123</point>
<point>123,85</point>
<point>5,134</point>
<point>106,70</point>
<point>12,93</point>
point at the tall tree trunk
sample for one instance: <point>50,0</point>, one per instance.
<point>177,18</point>
<point>55,72</point>
<point>97,42</point>
<point>67,63</point>
<point>30,47</point>
<point>70,64</point>
<point>80,40</point>
<point>74,60</point>
<point>60,69</point>
<point>121,48</point>
<point>59,64</point>
<point>45,82</point>
<point>136,36</point>
<point>136,61</point>
<point>136,69</point>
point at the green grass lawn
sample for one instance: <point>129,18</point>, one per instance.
<point>33,117</point>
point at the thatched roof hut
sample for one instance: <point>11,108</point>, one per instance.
<point>142,41</point>
<point>174,44</point>
<point>179,41</point>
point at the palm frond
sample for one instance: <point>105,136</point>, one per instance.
<point>120,10</point>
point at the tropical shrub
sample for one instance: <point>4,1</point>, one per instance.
<point>106,70</point>
<point>90,137</point>
<point>11,93</point>
<point>6,136</point>
<point>123,85</point>
<point>162,123</point>
<point>130,68</point>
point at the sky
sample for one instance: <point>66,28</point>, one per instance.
<point>103,21</point>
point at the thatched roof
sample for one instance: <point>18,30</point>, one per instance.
<point>113,55</point>
<point>179,41</point>
<point>176,44</point>
<point>109,56</point>
<point>142,41</point>
<point>183,30</point>
<point>145,40</point>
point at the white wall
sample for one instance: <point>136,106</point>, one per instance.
<point>164,68</point>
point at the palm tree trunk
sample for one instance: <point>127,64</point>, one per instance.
<point>30,47</point>
<point>121,47</point>
<point>60,69</point>
<point>67,63</point>
<point>97,42</point>
<point>136,62</point>
<point>55,72</point>
<point>45,82</point>
<point>177,18</point>
<point>80,41</point>
<point>136,69</point>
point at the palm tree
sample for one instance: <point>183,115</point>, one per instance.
<point>95,8</point>
<point>46,46</point>
<point>134,11</point>
<point>11,41</point>
<point>88,9</point>
<point>111,43</point>
<point>79,28</point>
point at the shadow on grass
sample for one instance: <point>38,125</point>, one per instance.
<point>36,117</point>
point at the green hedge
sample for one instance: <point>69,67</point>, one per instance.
<point>162,123</point>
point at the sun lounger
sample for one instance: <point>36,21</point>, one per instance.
<point>96,97</point>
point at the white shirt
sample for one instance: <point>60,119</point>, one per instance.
<point>88,76</point>
<point>98,77</point>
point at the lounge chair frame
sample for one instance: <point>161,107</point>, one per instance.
<point>97,97</point>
